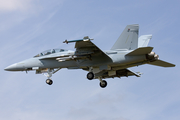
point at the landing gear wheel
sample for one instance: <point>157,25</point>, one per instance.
<point>90,75</point>
<point>49,81</point>
<point>103,84</point>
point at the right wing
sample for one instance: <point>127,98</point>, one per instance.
<point>118,73</point>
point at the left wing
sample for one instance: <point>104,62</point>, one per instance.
<point>86,49</point>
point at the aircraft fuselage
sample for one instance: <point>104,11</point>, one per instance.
<point>118,58</point>
<point>127,51</point>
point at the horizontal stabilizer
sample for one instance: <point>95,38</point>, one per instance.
<point>162,63</point>
<point>141,51</point>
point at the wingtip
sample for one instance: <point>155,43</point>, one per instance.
<point>65,41</point>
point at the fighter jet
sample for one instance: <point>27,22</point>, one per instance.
<point>128,51</point>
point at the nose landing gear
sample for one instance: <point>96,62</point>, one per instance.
<point>48,73</point>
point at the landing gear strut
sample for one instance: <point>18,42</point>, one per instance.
<point>48,74</point>
<point>102,83</point>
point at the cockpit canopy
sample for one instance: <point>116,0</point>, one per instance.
<point>50,51</point>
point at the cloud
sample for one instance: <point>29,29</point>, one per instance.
<point>14,5</point>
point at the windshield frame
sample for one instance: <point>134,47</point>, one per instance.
<point>50,51</point>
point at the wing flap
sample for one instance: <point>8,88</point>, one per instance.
<point>162,63</point>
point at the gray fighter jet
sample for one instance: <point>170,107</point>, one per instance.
<point>128,51</point>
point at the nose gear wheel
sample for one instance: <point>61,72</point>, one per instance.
<point>49,81</point>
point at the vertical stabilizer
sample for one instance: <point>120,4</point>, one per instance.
<point>128,38</point>
<point>144,40</point>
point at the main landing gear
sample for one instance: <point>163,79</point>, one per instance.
<point>90,75</point>
<point>102,83</point>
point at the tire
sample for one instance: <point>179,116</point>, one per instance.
<point>103,84</point>
<point>90,75</point>
<point>49,81</point>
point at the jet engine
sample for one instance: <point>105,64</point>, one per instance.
<point>152,56</point>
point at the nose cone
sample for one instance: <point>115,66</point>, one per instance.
<point>11,68</point>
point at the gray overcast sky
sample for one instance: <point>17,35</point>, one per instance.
<point>28,27</point>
